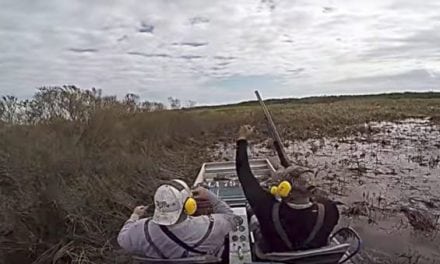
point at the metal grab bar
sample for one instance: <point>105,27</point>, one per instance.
<point>354,234</point>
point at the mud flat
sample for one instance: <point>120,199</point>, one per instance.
<point>387,178</point>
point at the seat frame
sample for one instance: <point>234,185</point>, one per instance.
<point>337,251</point>
<point>205,259</point>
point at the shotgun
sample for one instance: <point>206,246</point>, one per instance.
<point>278,143</point>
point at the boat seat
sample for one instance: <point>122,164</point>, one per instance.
<point>328,254</point>
<point>206,259</point>
<point>333,253</point>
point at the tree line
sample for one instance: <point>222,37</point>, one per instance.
<point>69,102</point>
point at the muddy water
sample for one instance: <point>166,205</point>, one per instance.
<point>388,179</point>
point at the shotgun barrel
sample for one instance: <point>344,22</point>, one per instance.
<point>285,162</point>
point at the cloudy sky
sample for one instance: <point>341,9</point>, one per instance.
<point>220,51</point>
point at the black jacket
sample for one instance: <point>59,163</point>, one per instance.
<point>297,223</point>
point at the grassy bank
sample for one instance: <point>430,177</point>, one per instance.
<point>67,184</point>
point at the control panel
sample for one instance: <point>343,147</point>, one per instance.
<point>239,244</point>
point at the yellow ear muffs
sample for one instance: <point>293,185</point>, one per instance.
<point>190,206</point>
<point>274,190</point>
<point>284,189</point>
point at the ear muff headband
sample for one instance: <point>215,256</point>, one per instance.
<point>190,204</point>
<point>183,184</point>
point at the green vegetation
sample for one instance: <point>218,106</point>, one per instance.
<point>73,163</point>
<point>336,98</point>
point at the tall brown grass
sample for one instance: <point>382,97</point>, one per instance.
<point>73,164</point>
<point>68,181</point>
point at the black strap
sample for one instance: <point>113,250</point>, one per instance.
<point>317,226</point>
<point>150,241</point>
<point>180,242</point>
<point>208,232</point>
<point>205,236</point>
<point>280,230</point>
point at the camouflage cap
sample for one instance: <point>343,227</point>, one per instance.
<point>299,177</point>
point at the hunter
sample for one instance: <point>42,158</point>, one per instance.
<point>173,232</point>
<point>290,222</point>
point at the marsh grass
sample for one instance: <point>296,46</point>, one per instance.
<point>68,184</point>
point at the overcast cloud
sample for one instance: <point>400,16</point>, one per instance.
<point>220,51</point>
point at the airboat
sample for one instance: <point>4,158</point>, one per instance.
<point>245,246</point>
<point>221,179</point>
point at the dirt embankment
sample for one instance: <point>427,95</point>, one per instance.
<point>388,178</point>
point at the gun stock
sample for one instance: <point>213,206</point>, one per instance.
<point>285,162</point>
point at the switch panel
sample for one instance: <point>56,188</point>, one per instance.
<point>239,244</point>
